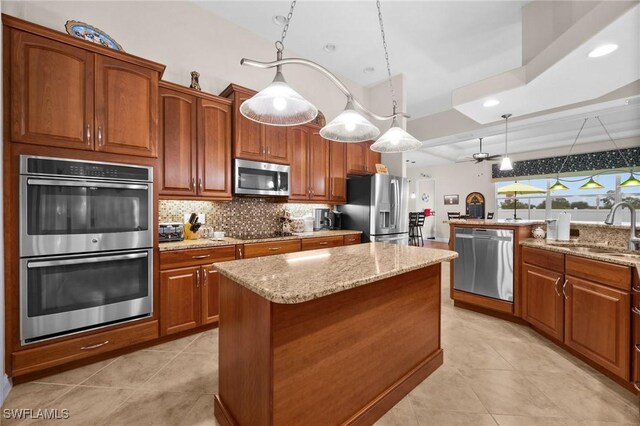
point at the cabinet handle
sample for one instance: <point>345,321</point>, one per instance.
<point>268,151</point>
<point>198,278</point>
<point>323,243</point>
<point>204,278</point>
<point>200,183</point>
<point>637,346</point>
<point>274,248</point>
<point>193,183</point>
<point>563,287</point>
<point>635,310</point>
<point>556,286</point>
<point>203,256</point>
<point>100,135</point>
<point>88,134</point>
<point>635,385</point>
<point>240,252</point>
<point>86,348</point>
<point>635,289</point>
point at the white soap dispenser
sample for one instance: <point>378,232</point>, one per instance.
<point>564,226</point>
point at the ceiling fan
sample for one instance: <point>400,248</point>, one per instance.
<point>480,156</point>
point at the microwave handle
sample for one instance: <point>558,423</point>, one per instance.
<point>53,182</point>
<point>46,263</point>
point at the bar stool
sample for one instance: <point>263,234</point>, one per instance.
<point>413,230</point>
<point>419,225</point>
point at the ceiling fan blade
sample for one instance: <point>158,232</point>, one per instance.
<point>494,157</point>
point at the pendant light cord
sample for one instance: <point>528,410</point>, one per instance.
<point>280,43</point>
<point>386,56</point>
<point>614,143</point>
<point>572,145</point>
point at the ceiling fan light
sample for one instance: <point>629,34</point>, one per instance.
<point>591,184</point>
<point>350,127</point>
<point>558,186</point>
<point>506,165</point>
<point>395,140</point>
<point>278,105</point>
<point>631,181</point>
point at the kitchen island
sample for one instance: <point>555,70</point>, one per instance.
<point>332,336</point>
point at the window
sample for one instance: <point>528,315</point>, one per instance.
<point>589,205</point>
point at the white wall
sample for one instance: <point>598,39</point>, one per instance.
<point>4,389</point>
<point>187,37</point>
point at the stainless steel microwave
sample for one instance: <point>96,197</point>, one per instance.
<point>264,179</point>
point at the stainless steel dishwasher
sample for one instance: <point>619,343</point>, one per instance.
<point>485,262</point>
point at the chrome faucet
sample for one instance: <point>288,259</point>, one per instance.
<point>634,242</point>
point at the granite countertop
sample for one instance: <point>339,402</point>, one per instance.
<point>205,242</point>
<point>571,247</point>
<point>483,222</point>
<point>303,276</point>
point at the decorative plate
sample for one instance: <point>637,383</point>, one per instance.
<point>90,33</point>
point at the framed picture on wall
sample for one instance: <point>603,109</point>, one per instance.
<point>450,200</point>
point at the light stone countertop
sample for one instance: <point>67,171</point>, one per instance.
<point>205,242</point>
<point>569,247</point>
<point>502,222</point>
<point>303,276</point>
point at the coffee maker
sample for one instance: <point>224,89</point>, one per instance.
<point>334,219</point>
<point>320,219</point>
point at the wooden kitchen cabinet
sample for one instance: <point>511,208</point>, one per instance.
<point>210,299</point>
<point>543,303</point>
<point>318,167</point>
<point>321,242</point>
<point>298,137</point>
<point>69,93</point>
<point>597,324</point>
<point>338,172</point>
<point>361,160</point>
<point>270,248</point>
<point>310,164</point>
<point>252,140</point>
<point>195,135</point>
<point>180,299</point>
<point>352,239</point>
<point>373,158</point>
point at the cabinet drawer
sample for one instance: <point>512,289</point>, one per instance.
<point>271,247</point>
<point>635,341</point>
<point>51,355</point>
<point>352,239</point>
<point>194,257</point>
<point>617,276</point>
<point>324,242</point>
<point>543,258</point>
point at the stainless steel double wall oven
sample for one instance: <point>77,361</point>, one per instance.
<point>86,238</point>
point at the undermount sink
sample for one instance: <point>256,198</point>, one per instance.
<point>625,255</point>
<point>597,250</point>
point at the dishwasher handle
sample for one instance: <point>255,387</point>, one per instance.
<point>483,237</point>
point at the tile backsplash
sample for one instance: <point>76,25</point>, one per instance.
<point>241,214</point>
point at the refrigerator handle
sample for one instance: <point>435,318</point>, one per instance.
<point>397,202</point>
<point>393,214</point>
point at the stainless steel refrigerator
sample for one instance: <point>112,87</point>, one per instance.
<point>378,205</point>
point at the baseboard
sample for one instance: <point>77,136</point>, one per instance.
<point>4,390</point>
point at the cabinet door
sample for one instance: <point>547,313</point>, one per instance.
<point>51,92</point>
<point>177,143</point>
<point>126,108</point>
<point>277,146</point>
<point>373,158</point>
<point>357,158</point>
<point>319,167</point>
<point>249,135</point>
<point>543,303</point>
<point>338,171</point>
<point>597,324</point>
<point>179,299</point>
<point>299,139</point>
<point>214,149</point>
<point>210,299</point>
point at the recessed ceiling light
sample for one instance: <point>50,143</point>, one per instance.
<point>603,50</point>
<point>329,47</point>
<point>280,20</point>
<point>368,70</point>
<point>490,103</point>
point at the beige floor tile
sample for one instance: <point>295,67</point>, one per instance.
<point>528,356</point>
<point>177,345</point>
<point>206,343</point>
<point>33,396</point>
<point>450,418</point>
<point>509,392</point>
<point>194,373</point>
<point>77,375</point>
<point>446,390</point>
<point>400,415</point>
<point>504,420</point>
<point>470,356</point>
<point>131,370</point>
<point>582,397</point>
<point>201,414</point>
<point>152,408</point>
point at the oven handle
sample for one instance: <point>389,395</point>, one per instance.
<point>46,263</point>
<point>51,182</point>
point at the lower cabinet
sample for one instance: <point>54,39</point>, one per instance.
<point>543,303</point>
<point>209,295</point>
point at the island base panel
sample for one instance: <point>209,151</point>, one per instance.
<point>345,358</point>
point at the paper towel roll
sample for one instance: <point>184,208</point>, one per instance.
<point>564,226</point>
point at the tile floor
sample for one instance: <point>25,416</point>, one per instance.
<point>495,373</point>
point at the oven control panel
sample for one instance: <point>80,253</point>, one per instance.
<point>87,169</point>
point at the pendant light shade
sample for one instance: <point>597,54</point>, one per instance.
<point>506,165</point>
<point>278,105</point>
<point>558,186</point>
<point>632,181</point>
<point>591,184</point>
<point>395,140</point>
<point>349,126</point>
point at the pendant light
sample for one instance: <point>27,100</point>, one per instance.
<point>559,186</point>
<point>591,184</point>
<point>506,165</point>
<point>631,180</point>
<point>278,104</point>
<point>396,139</point>
<point>349,126</point>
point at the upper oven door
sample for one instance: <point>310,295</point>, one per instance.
<point>256,178</point>
<point>59,216</point>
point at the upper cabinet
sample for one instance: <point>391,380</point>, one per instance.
<point>195,134</point>
<point>310,164</point>
<point>69,93</point>
<point>338,172</point>
<point>252,140</point>
<point>361,160</point>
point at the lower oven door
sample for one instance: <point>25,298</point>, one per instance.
<point>67,294</point>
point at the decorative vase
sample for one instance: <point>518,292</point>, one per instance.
<point>538,233</point>
<point>195,80</point>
